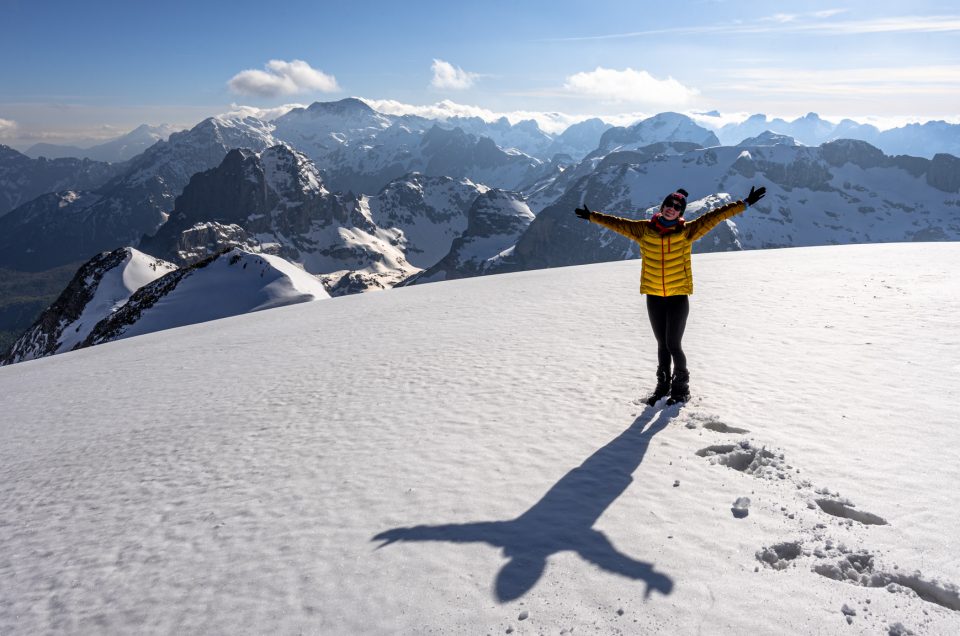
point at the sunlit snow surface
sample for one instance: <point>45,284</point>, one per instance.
<point>113,290</point>
<point>449,458</point>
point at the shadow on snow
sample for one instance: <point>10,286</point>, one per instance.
<point>563,519</point>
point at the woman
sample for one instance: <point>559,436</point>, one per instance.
<point>667,278</point>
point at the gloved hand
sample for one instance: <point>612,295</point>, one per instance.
<point>755,195</point>
<point>584,212</point>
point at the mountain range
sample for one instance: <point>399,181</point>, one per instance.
<point>436,201</point>
<point>116,150</point>
<point>66,226</point>
<point>23,179</point>
<point>842,192</point>
<point>918,140</point>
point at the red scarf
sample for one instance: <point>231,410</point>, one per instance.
<point>657,222</point>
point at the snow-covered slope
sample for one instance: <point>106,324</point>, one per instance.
<point>227,284</point>
<point>427,213</point>
<point>466,457</point>
<point>99,288</point>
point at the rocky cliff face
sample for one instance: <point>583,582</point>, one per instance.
<point>495,222</point>
<point>274,202</point>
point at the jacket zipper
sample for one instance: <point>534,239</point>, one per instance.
<point>663,268</point>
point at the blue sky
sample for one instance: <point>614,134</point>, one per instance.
<point>98,68</point>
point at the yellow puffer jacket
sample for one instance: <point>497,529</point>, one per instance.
<point>666,257</point>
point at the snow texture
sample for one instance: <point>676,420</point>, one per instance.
<point>466,457</point>
<point>231,283</point>
<point>113,289</point>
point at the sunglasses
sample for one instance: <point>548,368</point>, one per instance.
<point>676,205</point>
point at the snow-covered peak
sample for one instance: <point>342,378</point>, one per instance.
<point>287,170</point>
<point>202,147</point>
<point>324,126</point>
<point>236,132</point>
<point>664,127</point>
<point>769,138</point>
<point>230,283</point>
<point>100,287</point>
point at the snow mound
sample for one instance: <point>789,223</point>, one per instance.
<point>228,284</point>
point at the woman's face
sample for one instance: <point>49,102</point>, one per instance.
<point>668,210</point>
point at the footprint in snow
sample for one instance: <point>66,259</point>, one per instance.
<point>859,569</point>
<point>856,568</point>
<point>846,510</point>
<point>747,458</point>
<point>762,463</point>
<point>713,423</point>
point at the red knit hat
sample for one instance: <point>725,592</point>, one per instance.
<point>680,195</point>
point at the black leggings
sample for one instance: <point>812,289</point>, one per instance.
<point>668,317</point>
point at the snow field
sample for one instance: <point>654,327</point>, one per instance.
<point>232,477</point>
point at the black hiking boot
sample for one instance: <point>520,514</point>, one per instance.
<point>680,387</point>
<point>662,389</point>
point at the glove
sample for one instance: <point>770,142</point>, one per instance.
<point>755,195</point>
<point>584,212</point>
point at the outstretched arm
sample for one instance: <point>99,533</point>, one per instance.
<point>597,549</point>
<point>496,533</point>
<point>628,227</point>
<point>699,227</point>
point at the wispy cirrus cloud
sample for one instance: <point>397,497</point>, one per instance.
<point>912,80</point>
<point>629,85</point>
<point>446,75</point>
<point>282,78</point>
<point>810,23</point>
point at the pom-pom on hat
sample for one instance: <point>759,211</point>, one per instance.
<point>680,195</point>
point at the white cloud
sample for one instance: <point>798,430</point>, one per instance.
<point>7,127</point>
<point>446,75</point>
<point>556,122</point>
<point>265,114</point>
<point>282,78</point>
<point>551,122</point>
<point>629,85</point>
